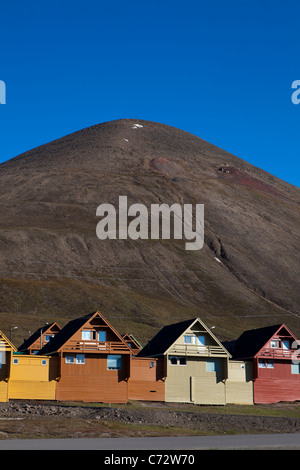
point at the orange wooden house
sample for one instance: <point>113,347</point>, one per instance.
<point>94,361</point>
<point>133,343</point>
<point>39,338</point>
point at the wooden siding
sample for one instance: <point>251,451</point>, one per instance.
<point>92,381</point>
<point>92,389</point>
<point>146,379</point>
<point>6,351</point>
<point>4,375</point>
<point>274,390</point>
<point>275,384</point>
<point>239,384</point>
<point>192,383</point>
<point>30,379</point>
<point>207,390</point>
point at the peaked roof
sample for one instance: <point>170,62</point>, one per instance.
<point>7,341</point>
<point>251,342</point>
<point>36,335</point>
<point>56,343</point>
<point>129,337</point>
<point>164,339</point>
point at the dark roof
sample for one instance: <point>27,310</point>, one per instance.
<point>29,341</point>
<point>250,342</point>
<point>164,339</point>
<point>65,333</point>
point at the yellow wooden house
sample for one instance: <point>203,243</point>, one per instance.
<point>6,352</point>
<point>32,377</point>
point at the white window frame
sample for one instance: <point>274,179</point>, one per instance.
<point>295,368</point>
<point>190,337</point>
<point>44,362</point>
<point>266,364</point>
<point>175,358</point>
<point>180,358</point>
<point>70,359</point>
<point>87,333</point>
<point>118,358</point>
<point>15,360</point>
<point>78,361</point>
<point>215,364</point>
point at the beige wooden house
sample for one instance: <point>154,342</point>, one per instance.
<point>196,365</point>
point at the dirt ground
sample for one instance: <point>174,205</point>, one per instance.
<point>52,420</point>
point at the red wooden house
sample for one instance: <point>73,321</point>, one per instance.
<point>276,368</point>
<point>94,361</point>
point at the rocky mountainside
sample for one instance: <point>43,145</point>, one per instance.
<point>52,263</point>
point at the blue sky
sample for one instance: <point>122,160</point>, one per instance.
<point>221,70</point>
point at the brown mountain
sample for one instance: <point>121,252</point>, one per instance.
<point>52,265</point>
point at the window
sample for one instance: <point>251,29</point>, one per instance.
<point>86,335</point>
<point>152,364</point>
<point>113,362</point>
<point>101,335</point>
<point>201,340</point>
<point>187,339</point>
<point>48,337</point>
<point>80,359</point>
<point>295,368</point>
<point>212,365</point>
<point>69,359</point>
<point>265,364</point>
<point>15,361</point>
<point>173,361</point>
<point>274,343</point>
<point>44,362</point>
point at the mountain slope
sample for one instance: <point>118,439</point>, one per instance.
<point>52,263</point>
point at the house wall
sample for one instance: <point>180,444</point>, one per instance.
<point>192,383</point>
<point>272,385</point>
<point>29,379</point>
<point>92,381</point>
<point>146,379</point>
<point>239,384</point>
<point>4,376</point>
